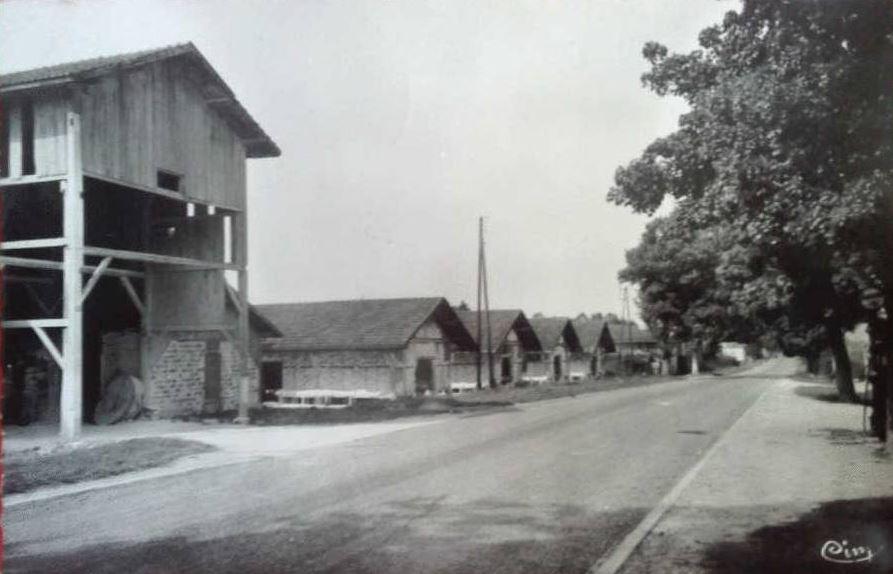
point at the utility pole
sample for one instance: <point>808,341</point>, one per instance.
<point>483,313</point>
<point>480,323</point>
<point>626,327</point>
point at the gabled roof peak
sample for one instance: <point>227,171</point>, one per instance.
<point>257,142</point>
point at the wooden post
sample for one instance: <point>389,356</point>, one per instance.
<point>240,250</point>
<point>14,152</point>
<point>73,258</point>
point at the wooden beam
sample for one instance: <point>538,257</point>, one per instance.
<point>157,258</point>
<point>195,328</point>
<point>31,323</point>
<point>128,286</point>
<point>37,84</point>
<point>174,195</point>
<point>32,243</point>
<point>27,279</point>
<point>30,179</point>
<point>50,346</point>
<point>14,129</point>
<point>233,297</point>
<point>94,279</point>
<point>40,303</point>
<point>240,257</point>
<point>30,263</point>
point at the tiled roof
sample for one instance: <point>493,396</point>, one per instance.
<point>502,321</point>
<point>364,324</point>
<point>592,333</point>
<point>257,142</point>
<point>631,334</point>
<point>550,330</point>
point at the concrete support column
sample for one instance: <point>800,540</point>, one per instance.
<point>240,237</point>
<point>71,411</point>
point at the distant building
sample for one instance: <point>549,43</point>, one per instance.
<point>124,203</point>
<point>396,347</point>
<point>596,340</point>
<point>561,351</point>
<point>512,338</point>
<point>733,350</point>
<point>629,337</point>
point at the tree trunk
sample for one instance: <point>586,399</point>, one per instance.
<point>877,379</point>
<point>843,372</point>
<point>812,363</point>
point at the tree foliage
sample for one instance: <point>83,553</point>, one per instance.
<point>787,148</point>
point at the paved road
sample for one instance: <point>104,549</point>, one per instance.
<point>548,487</point>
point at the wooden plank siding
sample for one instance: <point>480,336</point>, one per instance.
<point>135,123</point>
<point>50,149</point>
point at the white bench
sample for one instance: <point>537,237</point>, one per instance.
<point>535,380</point>
<point>459,388</point>
<point>322,399</point>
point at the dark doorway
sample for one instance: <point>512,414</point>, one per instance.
<point>506,370</point>
<point>424,376</point>
<point>212,403</point>
<point>556,367</point>
<point>270,380</point>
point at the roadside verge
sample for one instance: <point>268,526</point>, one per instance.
<point>795,487</point>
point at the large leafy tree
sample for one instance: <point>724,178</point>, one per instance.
<point>679,295</point>
<point>789,142</point>
<point>702,285</point>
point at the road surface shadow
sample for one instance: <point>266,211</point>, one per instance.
<point>427,535</point>
<point>844,436</point>
<point>824,393</point>
<point>749,376</point>
<point>847,530</point>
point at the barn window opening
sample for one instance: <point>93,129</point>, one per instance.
<point>28,167</point>
<point>4,145</point>
<point>271,380</point>
<point>168,180</point>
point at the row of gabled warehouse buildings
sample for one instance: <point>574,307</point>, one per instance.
<point>123,186</point>
<point>399,347</point>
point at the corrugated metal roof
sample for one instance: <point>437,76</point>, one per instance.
<point>256,141</point>
<point>365,324</point>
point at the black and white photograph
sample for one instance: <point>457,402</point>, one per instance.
<point>446,286</point>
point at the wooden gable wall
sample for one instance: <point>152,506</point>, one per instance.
<point>134,123</point>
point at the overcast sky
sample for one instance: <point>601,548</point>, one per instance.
<point>401,122</point>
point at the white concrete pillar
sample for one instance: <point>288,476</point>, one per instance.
<point>71,411</point>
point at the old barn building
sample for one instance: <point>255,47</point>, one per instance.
<point>395,347</point>
<point>561,354</point>
<point>123,191</point>
<point>630,338</point>
<point>511,339</point>
<point>596,340</point>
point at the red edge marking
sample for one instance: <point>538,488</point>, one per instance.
<point>2,373</point>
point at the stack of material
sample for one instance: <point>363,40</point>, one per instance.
<point>122,400</point>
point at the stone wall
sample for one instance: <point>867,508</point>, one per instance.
<point>389,372</point>
<point>176,384</point>
<point>377,371</point>
<point>230,376</point>
<point>545,366</point>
